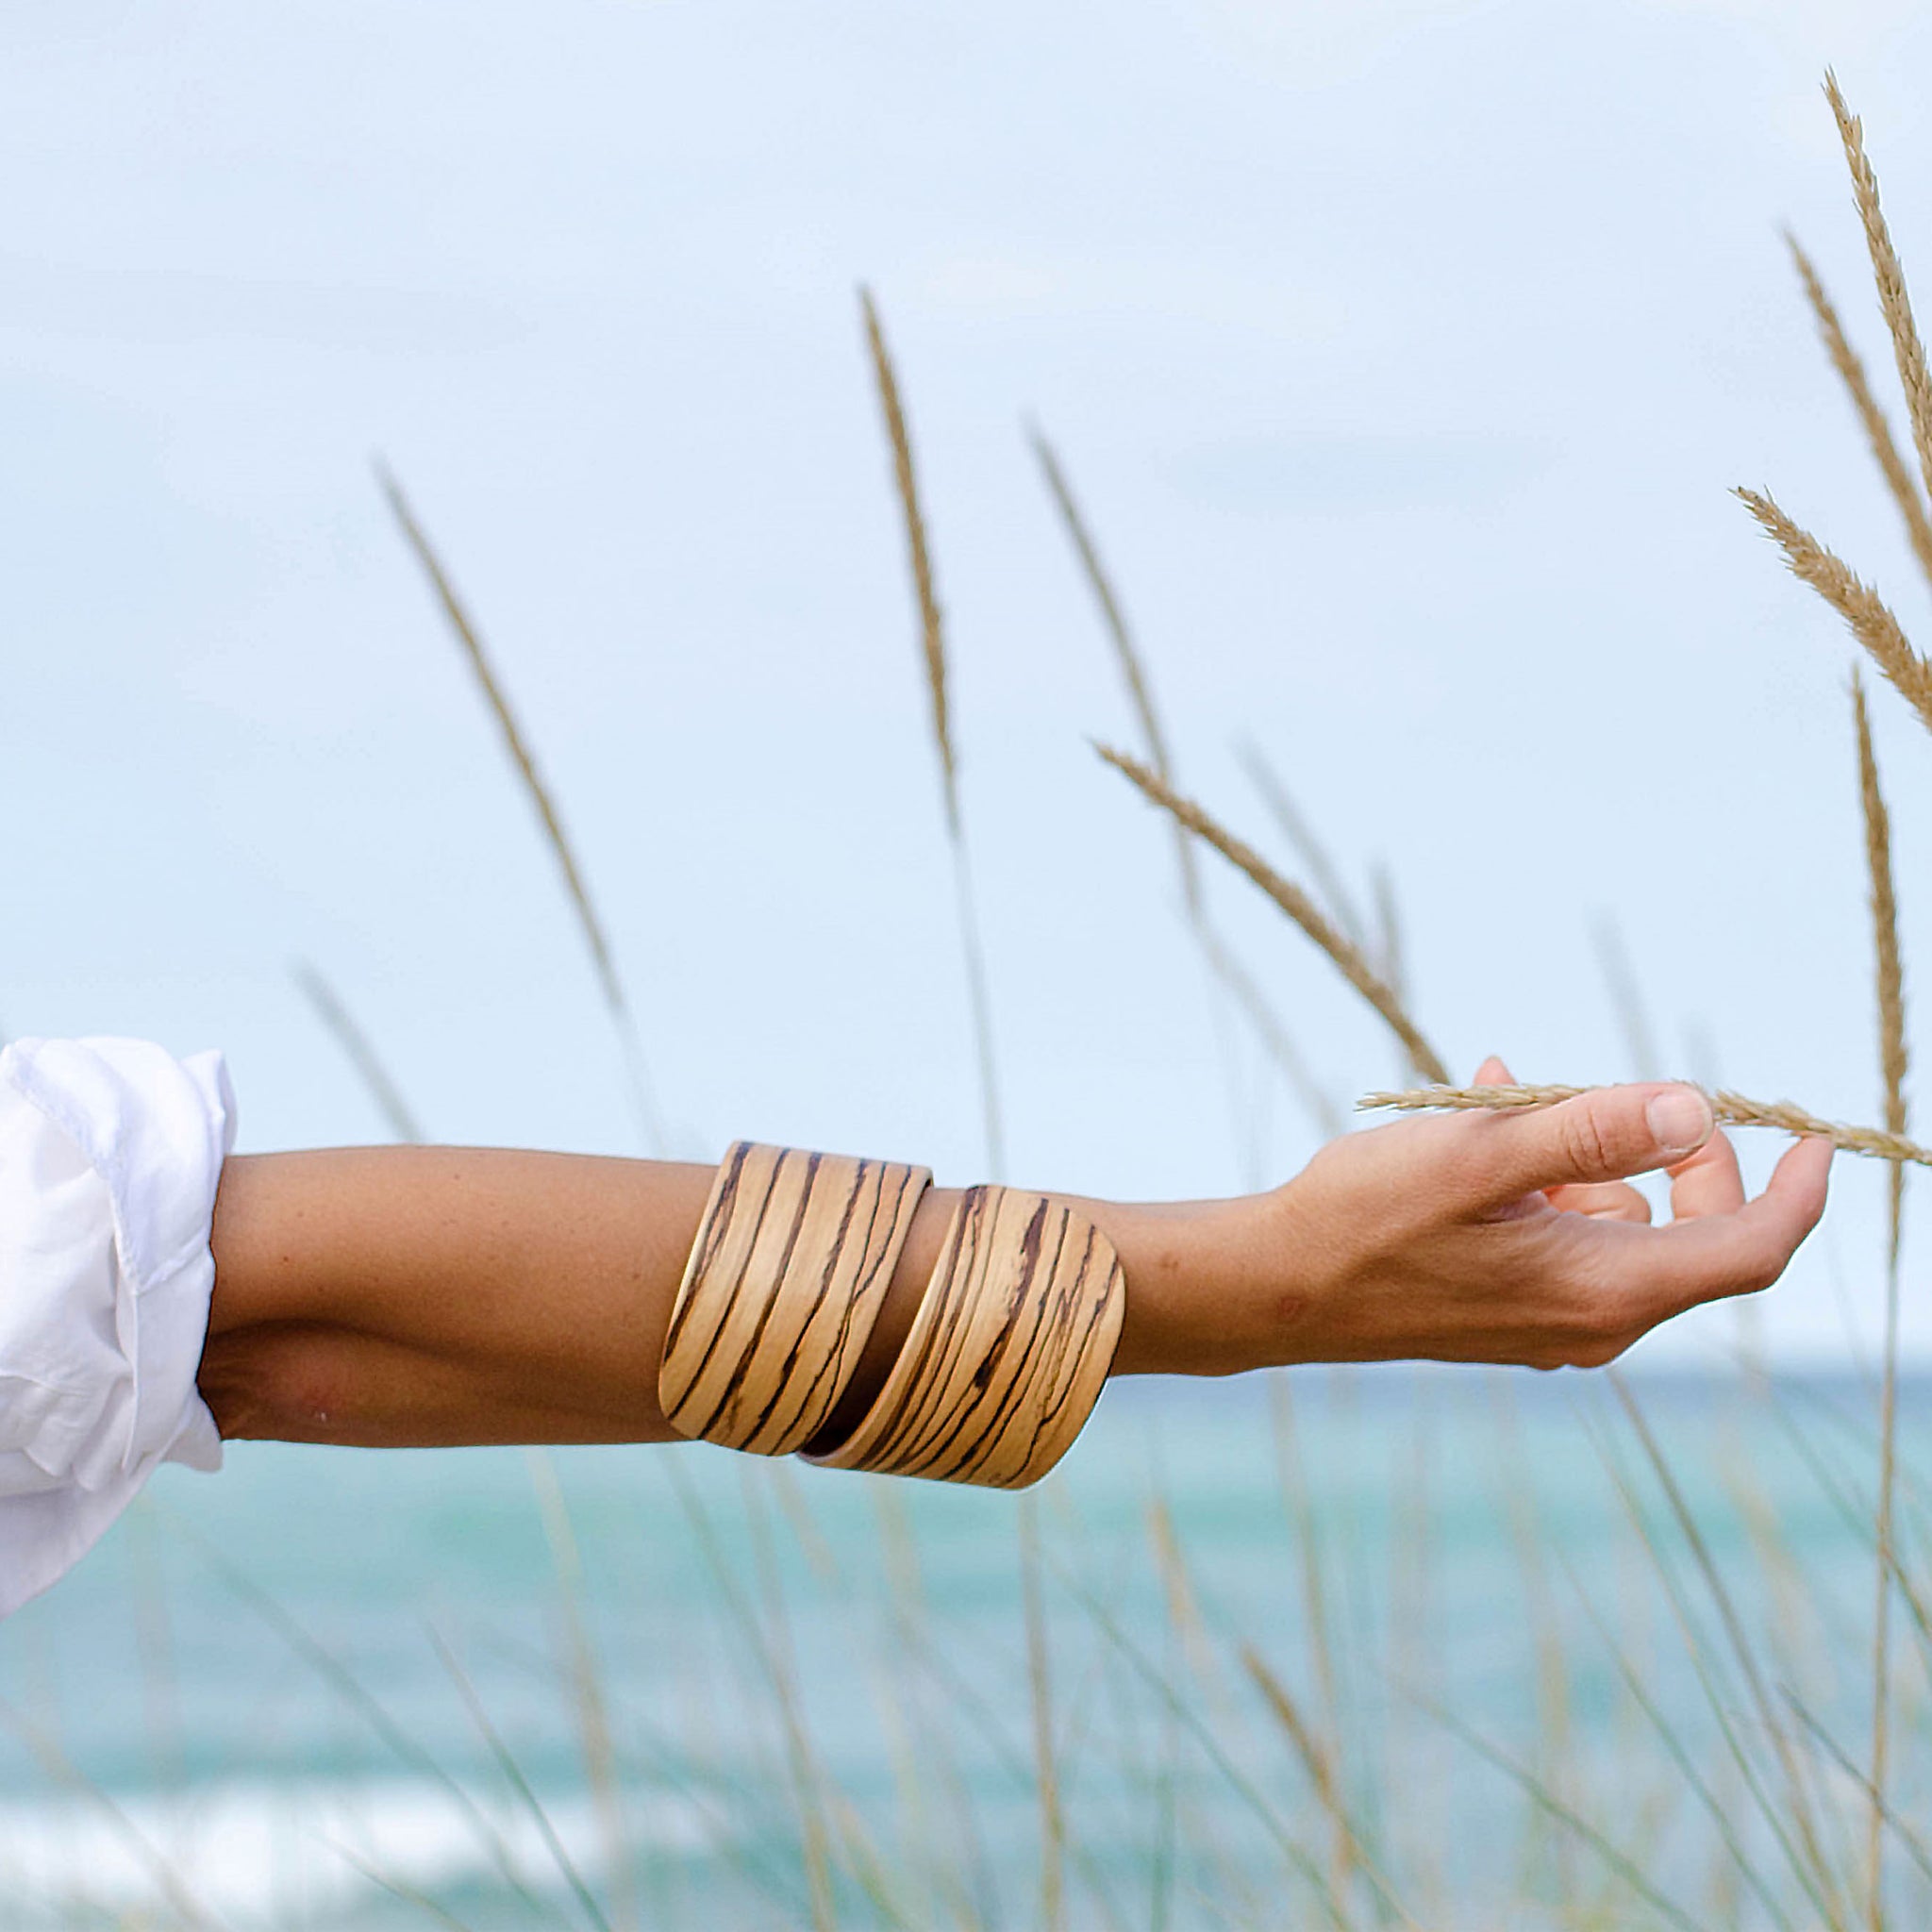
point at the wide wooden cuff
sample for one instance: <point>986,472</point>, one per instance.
<point>786,1277</point>
<point>1008,1353</point>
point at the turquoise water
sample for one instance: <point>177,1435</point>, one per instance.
<point>341,1690</point>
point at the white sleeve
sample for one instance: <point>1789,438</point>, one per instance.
<point>110,1151</point>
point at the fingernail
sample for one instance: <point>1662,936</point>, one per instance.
<point>1680,1119</point>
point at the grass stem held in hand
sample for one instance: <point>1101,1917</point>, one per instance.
<point>1732,1110</point>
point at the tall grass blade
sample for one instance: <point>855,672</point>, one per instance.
<point>1546,1801</point>
<point>1741,1648</point>
<point>1912,1841</point>
<point>360,1054</point>
<point>586,1684</point>
<point>1323,874</point>
<point>1238,1781</point>
<point>403,1894</point>
<point>1126,653</point>
<point>56,1765</point>
<point>360,1699</point>
<point>1890,991</point>
<point>932,639</point>
<point>1351,1855</point>
<point>1053,1824</point>
<point>1704,1668</point>
<point>1680,1756</point>
<point>1233,976</point>
<point>513,1773</point>
<point>1389,953</point>
<point>517,744</point>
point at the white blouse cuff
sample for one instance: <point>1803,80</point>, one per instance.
<point>110,1151</point>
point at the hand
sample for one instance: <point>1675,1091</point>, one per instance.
<point>1491,1236</point>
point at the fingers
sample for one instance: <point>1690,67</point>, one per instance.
<point>1708,1182</point>
<point>1605,1135</point>
<point>1713,1255</point>
<point>1601,1201</point>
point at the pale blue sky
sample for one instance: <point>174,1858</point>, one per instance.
<point>1402,353</point>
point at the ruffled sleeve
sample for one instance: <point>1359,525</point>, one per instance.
<point>110,1152</point>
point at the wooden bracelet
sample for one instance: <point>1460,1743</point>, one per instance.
<point>785,1280</point>
<point>1008,1353</point>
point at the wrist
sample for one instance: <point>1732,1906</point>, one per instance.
<point>1195,1273</point>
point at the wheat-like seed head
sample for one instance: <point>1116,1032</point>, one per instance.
<point>1864,611</point>
<point>1347,956</point>
<point>1891,969</point>
<point>1851,369</point>
<point>1894,301</point>
<point>1126,653</point>
<point>1222,960</point>
<point>932,633</point>
<point>517,744</point>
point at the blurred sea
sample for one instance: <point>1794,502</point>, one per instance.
<point>336,1689</point>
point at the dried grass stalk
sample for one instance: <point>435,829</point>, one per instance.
<point>1234,977</point>
<point>1317,1764</point>
<point>1133,671</point>
<point>1272,1035</point>
<point>359,1053</point>
<point>1889,976</point>
<point>1322,870</point>
<point>932,635</point>
<point>1053,1824</point>
<point>1889,969</point>
<point>1861,607</point>
<point>1894,302</point>
<point>1391,955</point>
<point>1851,370</point>
<point>538,794</point>
<point>1732,1110</point>
<point>1347,956</point>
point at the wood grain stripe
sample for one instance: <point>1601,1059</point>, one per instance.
<point>1008,1353</point>
<point>788,1270</point>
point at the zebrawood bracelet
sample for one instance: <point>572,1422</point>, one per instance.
<point>1008,1353</point>
<point>784,1283</point>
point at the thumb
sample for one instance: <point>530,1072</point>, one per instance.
<point>1605,1135</point>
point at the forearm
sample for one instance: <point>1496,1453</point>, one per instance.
<point>395,1296</point>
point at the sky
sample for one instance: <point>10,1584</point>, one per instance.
<point>1403,356</point>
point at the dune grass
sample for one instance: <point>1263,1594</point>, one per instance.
<point>1694,1726</point>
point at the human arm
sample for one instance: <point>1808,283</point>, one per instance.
<point>399,1296</point>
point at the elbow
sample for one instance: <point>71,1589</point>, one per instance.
<point>279,1383</point>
